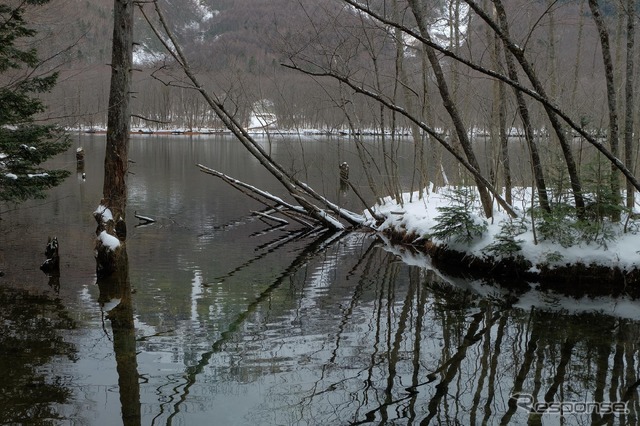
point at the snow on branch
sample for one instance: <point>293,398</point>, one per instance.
<point>310,211</point>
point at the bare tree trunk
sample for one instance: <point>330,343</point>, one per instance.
<point>426,111</point>
<point>576,70</point>
<point>111,215</point>
<point>402,78</point>
<point>499,116</point>
<point>388,160</point>
<point>502,29</point>
<point>552,53</point>
<point>611,97</point>
<point>536,163</point>
<point>629,95</point>
<point>504,142</point>
<point>451,108</point>
<point>523,111</point>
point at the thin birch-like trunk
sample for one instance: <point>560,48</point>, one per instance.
<point>629,99</point>
<point>611,99</point>
<point>452,109</point>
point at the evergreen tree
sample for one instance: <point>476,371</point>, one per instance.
<point>24,144</point>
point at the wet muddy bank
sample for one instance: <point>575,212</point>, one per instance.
<point>518,273</point>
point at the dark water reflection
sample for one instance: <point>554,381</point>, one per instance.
<point>221,320</point>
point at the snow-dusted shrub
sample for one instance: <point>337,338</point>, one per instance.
<point>505,243</point>
<point>557,226</point>
<point>457,222</point>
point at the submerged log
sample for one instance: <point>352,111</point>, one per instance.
<point>52,261</point>
<point>144,220</point>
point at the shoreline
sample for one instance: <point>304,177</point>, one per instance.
<point>516,273</point>
<point>253,132</point>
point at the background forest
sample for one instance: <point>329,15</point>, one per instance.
<point>238,48</point>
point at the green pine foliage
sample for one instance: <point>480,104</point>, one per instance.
<point>24,145</point>
<point>506,244</point>
<point>456,221</point>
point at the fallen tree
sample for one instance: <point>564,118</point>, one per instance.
<point>311,204</point>
<point>274,203</point>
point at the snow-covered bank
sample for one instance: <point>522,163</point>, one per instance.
<point>526,296</point>
<point>606,261</point>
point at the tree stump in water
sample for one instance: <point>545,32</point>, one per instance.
<point>52,262</point>
<point>344,171</point>
<point>344,176</point>
<point>51,265</point>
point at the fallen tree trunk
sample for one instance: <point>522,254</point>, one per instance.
<point>329,215</point>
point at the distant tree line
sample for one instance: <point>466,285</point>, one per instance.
<point>240,55</point>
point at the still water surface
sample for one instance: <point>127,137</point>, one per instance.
<point>229,321</point>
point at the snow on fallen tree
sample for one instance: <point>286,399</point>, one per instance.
<point>307,213</point>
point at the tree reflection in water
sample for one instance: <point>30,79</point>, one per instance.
<point>295,330</point>
<point>32,329</point>
<point>357,336</point>
<point>118,287</point>
<point>344,333</point>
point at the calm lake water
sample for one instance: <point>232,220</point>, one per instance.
<point>226,320</point>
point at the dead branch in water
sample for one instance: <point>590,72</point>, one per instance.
<point>144,220</point>
<point>278,205</point>
<point>270,217</point>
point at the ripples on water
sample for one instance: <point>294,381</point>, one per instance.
<point>232,322</point>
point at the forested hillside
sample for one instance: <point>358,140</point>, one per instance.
<point>238,47</point>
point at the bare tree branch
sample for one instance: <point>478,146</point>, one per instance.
<point>542,99</point>
<point>432,132</point>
